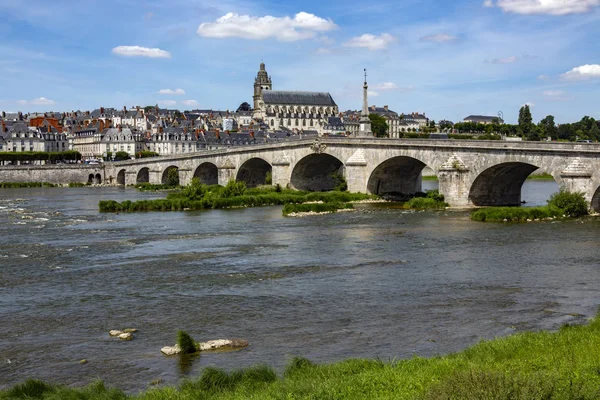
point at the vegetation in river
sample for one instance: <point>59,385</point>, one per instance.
<point>432,200</point>
<point>316,208</point>
<point>5,185</point>
<point>527,366</point>
<point>560,204</point>
<point>197,196</point>
<point>186,343</point>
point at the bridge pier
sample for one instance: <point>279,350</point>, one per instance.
<point>453,183</point>
<point>226,172</point>
<point>355,172</point>
<point>185,176</point>
<point>577,177</point>
<point>155,177</point>
<point>280,174</point>
<point>130,178</point>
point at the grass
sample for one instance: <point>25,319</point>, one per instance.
<point>6,185</point>
<point>433,200</point>
<point>525,366</point>
<point>201,197</point>
<point>515,214</point>
<point>541,177</point>
<point>186,343</point>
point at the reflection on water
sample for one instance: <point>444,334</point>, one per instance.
<point>379,282</point>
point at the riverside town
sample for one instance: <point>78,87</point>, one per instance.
<point>225,200</point>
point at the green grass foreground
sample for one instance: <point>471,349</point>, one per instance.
<point>516,214</point>
<point>525,366</point>
<point>200,197</point>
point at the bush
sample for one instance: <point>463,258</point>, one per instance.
<point>573,204</point>
<point>194,191</point>
<point>234,188</point>
<point>186,343</point>
<point>172,177</point>
<point>121,155</point>
<point>339,182</point>
<point>269,178</point>
<point>515,214</point>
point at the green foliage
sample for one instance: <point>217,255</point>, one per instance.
<point>214,380</point>
<point>541,177</point>
<point>315,207</point>
<point>195,190</point>
<point>76,184</point>
<point>433,200</point>
<point>146,154</point>
<point>339,182</point>
<point>379,125</point>
<point>7,185</point>
<point>172,177</point>
<point>13,156</point>
<point>516,214</point>
<point>573,204</point>
<point>186,343</point>
<point>269,178</point>
<point>121,156</point>
<point>298,365</point>
<point>30,389</point>
<point>234,188</point>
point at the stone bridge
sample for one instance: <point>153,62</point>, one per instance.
<point>470,173</point>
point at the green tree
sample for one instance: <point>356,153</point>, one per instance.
<point>525,122</point>
<point>173,177</point>
<point>379,125</point>
<point>121,155</point>
<point>594,132</point>
<point>548,127</point>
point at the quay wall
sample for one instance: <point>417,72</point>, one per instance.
<point>56,174</point>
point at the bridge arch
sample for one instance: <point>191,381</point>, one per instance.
<point>165,174</point>
<point>98,179</point>
<point>143,175</point>
<point>254,172</point>
<point>315,173</point>
<point>397,175</point>
<point>207,173</point>
<point>595,203</point>
<point>500,185</point>
<point>121,177</point>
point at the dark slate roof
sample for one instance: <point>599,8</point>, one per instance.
<point>297,98</point>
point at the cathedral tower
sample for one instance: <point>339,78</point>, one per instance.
<point>261,82</point>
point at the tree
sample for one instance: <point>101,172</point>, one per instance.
<point>525,122</point>
<point>379,125</point>
<point>244,107</point>
<point>121,155</point>
<point>548,127</point>
<point>172,177</point>
<point>594,132</point>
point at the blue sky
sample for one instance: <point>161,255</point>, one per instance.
<point>446,58</point>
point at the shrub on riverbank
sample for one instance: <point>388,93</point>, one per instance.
<point>515,214</point>
<point>315,207</point>
<point>433,200</point>
<point>527,366</point>
<point>573,204</point>
<point>6,185</point>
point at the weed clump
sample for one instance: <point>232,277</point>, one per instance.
<point>186,343</point>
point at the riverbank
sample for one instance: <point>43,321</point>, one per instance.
<point>529,365</point>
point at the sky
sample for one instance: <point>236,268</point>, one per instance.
<point>446,58</point>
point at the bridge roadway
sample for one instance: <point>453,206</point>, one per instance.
<point>470,173</point>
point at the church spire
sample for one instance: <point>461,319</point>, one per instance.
<point>365,122</point>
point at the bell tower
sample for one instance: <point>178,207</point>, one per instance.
<point>261,82</point>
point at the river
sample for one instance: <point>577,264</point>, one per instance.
<point>380,282</point>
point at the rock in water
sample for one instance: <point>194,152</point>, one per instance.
<point>171,350</point>
<point>114,332</point>
<point>223,344</point>
<point>126,336</point>
<point>130,330</point>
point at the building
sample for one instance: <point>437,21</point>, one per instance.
<point>21,137</point>
<point>484,119</point>
<point>290,110</point>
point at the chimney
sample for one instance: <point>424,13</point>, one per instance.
<point>385,108</point>
<point>101,110</point>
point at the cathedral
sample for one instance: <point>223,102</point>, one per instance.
<point>291,110</point>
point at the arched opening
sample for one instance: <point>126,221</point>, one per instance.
<point>170,178</point>
<point>595,205</point>
<point>90,179</point>
<point>121,177</point>
<point>254,172</point>
<point>143,176</point>
<point>500,185</point>
<point>316,172</point>
<point>207,173</point>
<point>98,179</point>
<point>398,176</point>
<point>538,188</point>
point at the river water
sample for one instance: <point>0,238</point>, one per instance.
<point>379,282</point>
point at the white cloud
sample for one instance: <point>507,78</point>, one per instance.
<point>176,92</point>
<point>488,3</point>
<point>284,29</point>
<point>587,71</point>
<point>550,7</point>
<point>371,42</point>
<point>40,101</point>
<point>167,103</point>
<point>553,93</point>
<point>392,86</point>
<point>326,40</point>
<point>191,103</point>
<point>505,60</point>
<point>543,77</point>
<point>439,38</point>
<point>323,50</point>
<point>372,93</point>
<point>137,51</point>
